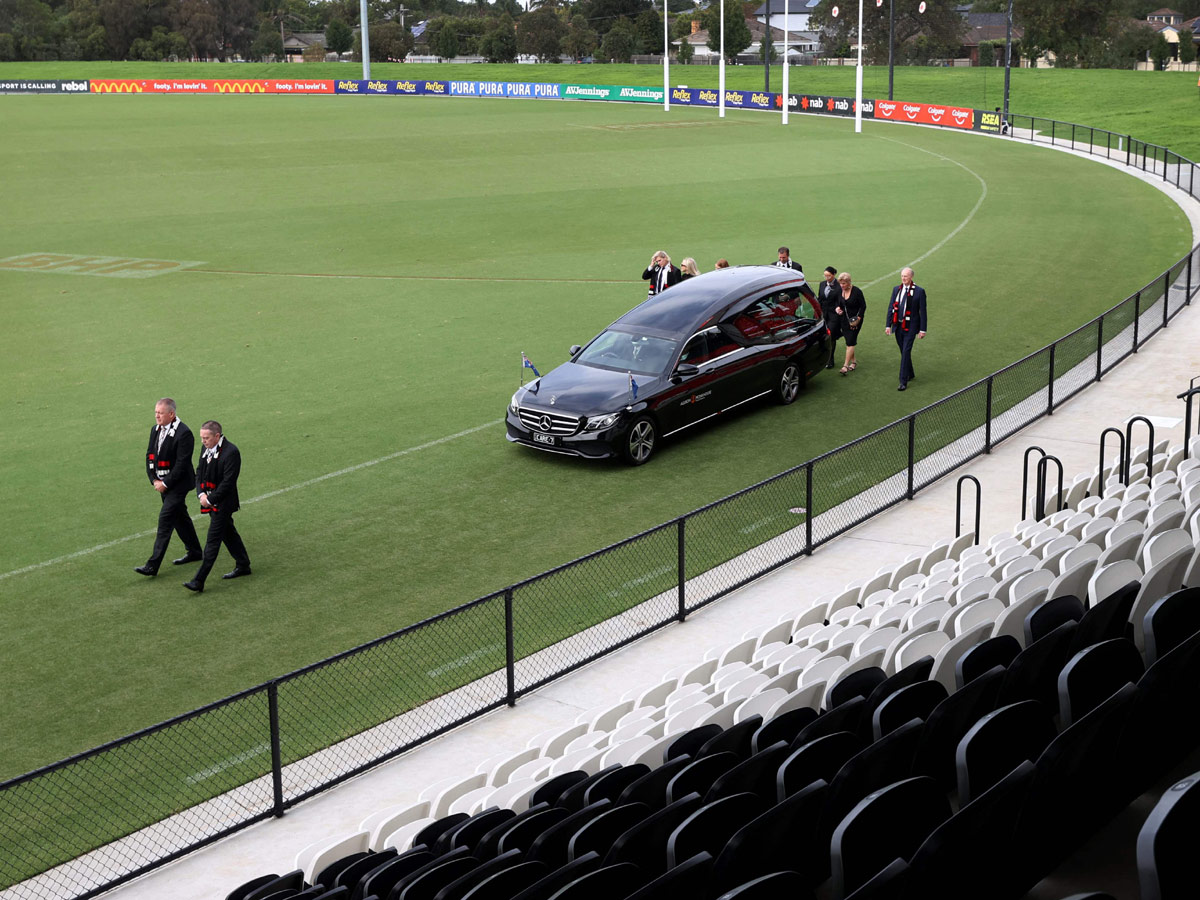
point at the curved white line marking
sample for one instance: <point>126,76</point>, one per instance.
<point>303,484</point>
<point>961,225</point>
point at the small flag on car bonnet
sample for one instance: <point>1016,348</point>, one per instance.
<point>633,386</point>
<point>528,365</point>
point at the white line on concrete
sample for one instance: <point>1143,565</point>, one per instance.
<point>218,768</point>
<point>346,471</point>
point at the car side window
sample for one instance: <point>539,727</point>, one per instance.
<point>775,317</point>
<point>705,346</point>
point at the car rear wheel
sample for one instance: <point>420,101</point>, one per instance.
<point>788,388</point>
<point>640,441</point>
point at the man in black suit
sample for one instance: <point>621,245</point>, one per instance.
<point>906,320</point>
<point>216,487</point>
<point>660,273</point>
<point>169,467</point>
<point>785,260</point>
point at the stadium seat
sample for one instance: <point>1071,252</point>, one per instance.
<point>734,739</point>
<point>548,883</point>
<point>651,788</point>
<point>645,843</point>
<point>949,721</point>
<point>974,846</point>
<point>1169,622</point>
<point>1033,675</point>
<point>380,882</point>
<point>783,727</point>
<point>1049,615</point>
<point>1094,674</point>
<point>998,743</point>
<point>599,834</point>
<point>889,823</point>
<point>817,760</point>
<point>469,879</point>
<point>604,883</point>
<point>709,828</point>
<point>691,878</point>
<point>985,656</point>
<point>506,883</point>
<point>755,775</point>
<point>699,774</point>
<point>769,887</point>
<point>550,846</point>
<point>1166,858</point>
<point>916,701</point>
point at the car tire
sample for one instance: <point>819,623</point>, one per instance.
<point>788,387</point>
<point>640,441</point>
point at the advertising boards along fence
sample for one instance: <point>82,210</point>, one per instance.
<point>96,820</point>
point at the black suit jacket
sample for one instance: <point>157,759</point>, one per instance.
<point>914,313</point>
<point>790,264</point>
<point>651,275</point>
<point>218,477</point>
<point>172,464</point>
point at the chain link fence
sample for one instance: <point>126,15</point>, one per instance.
<point>89,823</point>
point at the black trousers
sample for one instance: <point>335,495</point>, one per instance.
<point>221,530</point>
<point>905,340</point>
<point>173,517</point>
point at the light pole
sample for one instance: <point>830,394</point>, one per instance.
<point>366,41</point>
<point>785,58</point>
<point>1007,63</point>
<point>858,74</point>
<point>666,61</point>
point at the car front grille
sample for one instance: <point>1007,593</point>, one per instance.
<point>548,422</point>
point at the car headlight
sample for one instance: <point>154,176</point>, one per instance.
<point>513,403</point>
<point>599,423</point>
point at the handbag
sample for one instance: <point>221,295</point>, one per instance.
<point>855,322</point>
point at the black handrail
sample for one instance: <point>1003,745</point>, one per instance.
<point>1121,462</point>
<point>1042,466</point>
<point>1186,397</point>
<point>1129,447</point>
<point>1025,475</point>
<point>958,505</point>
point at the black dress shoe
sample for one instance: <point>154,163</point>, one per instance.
<point>146,570</point>
<point>197,586</point>
<point>903,387</point>
<point>190,558</point>
<point>829,365</point>
<point>238,572</point>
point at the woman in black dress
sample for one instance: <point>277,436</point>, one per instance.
<point>849,306</point>
<point>825,294</point>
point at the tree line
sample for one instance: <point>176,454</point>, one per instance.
<point>1080,32</point>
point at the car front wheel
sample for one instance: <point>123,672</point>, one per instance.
<point>640,441</point>
<point>788,388</point>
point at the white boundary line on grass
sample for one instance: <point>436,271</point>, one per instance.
<point>961,225</point>
<point>294,487</point>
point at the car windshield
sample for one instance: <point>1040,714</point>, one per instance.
<point>625,352</point>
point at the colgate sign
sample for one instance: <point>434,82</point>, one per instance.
<point>924,114</point>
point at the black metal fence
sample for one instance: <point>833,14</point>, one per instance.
<point>89,823</point>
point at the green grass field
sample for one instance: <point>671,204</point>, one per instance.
<point>368,275</point>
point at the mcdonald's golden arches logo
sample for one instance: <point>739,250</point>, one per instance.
<point>240,87</point>
<point>122,86</point>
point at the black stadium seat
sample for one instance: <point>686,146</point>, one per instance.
<point>522,834</point>
<point>856,684</point>
<point>291,881</point>
<point>755,775</point>
<point>783,727</point>
<point>381,881</point>
<point>949,721</point>
<point>550,790</point>
<point>605,883</point>
<point>968,854</point>
<point>425,884</point>
<point>575,797</point>
<point>768,887</point>
<point>710,827</point>
<point>916,701</point>
<point>690,742</point>
<point>1093,674</point>
<point>983,657</point>
<point>610,783</point>
<point>998,743</point>
<point>456,889</point>
<point>1170,622</point>
<point>549,883</point>
<point>699,774</point>
<point>846,717</point>
<point>691,879</point>
<point>504,884</point>
<point>651,788</point>
<point>1166,844</point>
<point>550,847</point>
<point>598,835</point>
<point>888,824</point>
<point>1108,619</point>
<point>353,874</point>
<point>470,832</point>
<point>786,831</point>
<point>1033,675</point>
<point>240,892</point>
<point>645,844</point>
<point>1049,615</point>
<point>735,739</point>
<point>817,760</point>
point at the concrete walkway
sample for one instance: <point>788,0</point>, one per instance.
<point>1145,384</point>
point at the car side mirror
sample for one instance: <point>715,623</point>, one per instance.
<point>686,370</point>
<point>575,348</point>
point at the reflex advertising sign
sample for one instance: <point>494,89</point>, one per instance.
<point>208,86</point>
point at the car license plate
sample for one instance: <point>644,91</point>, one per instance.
<point>544,439</point>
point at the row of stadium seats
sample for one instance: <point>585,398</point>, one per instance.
<point>966,672</point>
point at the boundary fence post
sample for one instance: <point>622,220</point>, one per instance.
<point>987,418</point>
<point>510,650</point>
<point>681,570</point>
<point>276,749</point>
